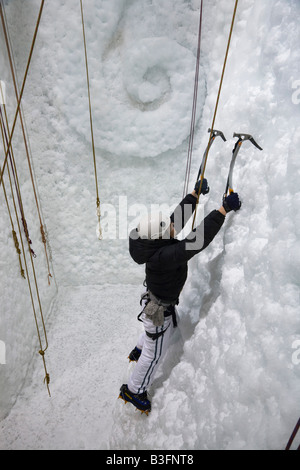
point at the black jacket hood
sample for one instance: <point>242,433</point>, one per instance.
<point>141,250</point>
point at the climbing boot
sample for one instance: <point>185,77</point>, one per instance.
<point>139,400</point>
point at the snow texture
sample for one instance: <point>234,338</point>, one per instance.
<point>231,377</point>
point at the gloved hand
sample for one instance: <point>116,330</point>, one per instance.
<point>231,202</point>
<point>205,187</point>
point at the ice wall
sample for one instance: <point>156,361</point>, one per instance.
<point>231,381</point>
<point>237,378</point>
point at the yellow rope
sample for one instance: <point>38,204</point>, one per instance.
<point>22,89</point>
<point>15,237</point>
<point>217,104</point>
<point>12,67</point>
<point>25,262</point>
<point>14,234</point>
<point>91,122</point>
<point>7,153</point>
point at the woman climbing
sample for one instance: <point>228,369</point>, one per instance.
<point>153,243</point>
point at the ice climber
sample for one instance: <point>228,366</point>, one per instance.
<point>153,243</point>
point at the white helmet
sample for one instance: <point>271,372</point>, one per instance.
<point>154,226</point>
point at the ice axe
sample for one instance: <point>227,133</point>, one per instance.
<point>241,139</point>
<point>213,135</point>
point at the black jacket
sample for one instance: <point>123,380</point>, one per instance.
<point>166,260</point>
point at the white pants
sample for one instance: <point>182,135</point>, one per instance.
<point>152,353</point>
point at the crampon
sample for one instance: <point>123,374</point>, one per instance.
<point>139,400</point>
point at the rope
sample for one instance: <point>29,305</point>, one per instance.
<point>217,104</point>
<point>293,435</point>
<point>12,67</point>
<point>8,155</point>
<point>15,177</point>
<point>22,89</point>
<point>14,234</point>
<point>32,256</point>
<point>194,108</point>
<point>15,237</point>
<point>91,123</point>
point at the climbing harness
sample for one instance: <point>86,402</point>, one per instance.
<point>91,123</point>
<point>241,138</point>
<point>157,311</point>
<point>194,108</point>
<point>216,107</point>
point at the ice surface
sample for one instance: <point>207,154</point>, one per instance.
<point>231,378</point>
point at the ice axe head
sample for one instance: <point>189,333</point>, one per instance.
<point>216,133</point>
<point>238,144</point>
<point>243,137</point>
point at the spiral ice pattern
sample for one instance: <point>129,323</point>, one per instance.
<point>148,102</point>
